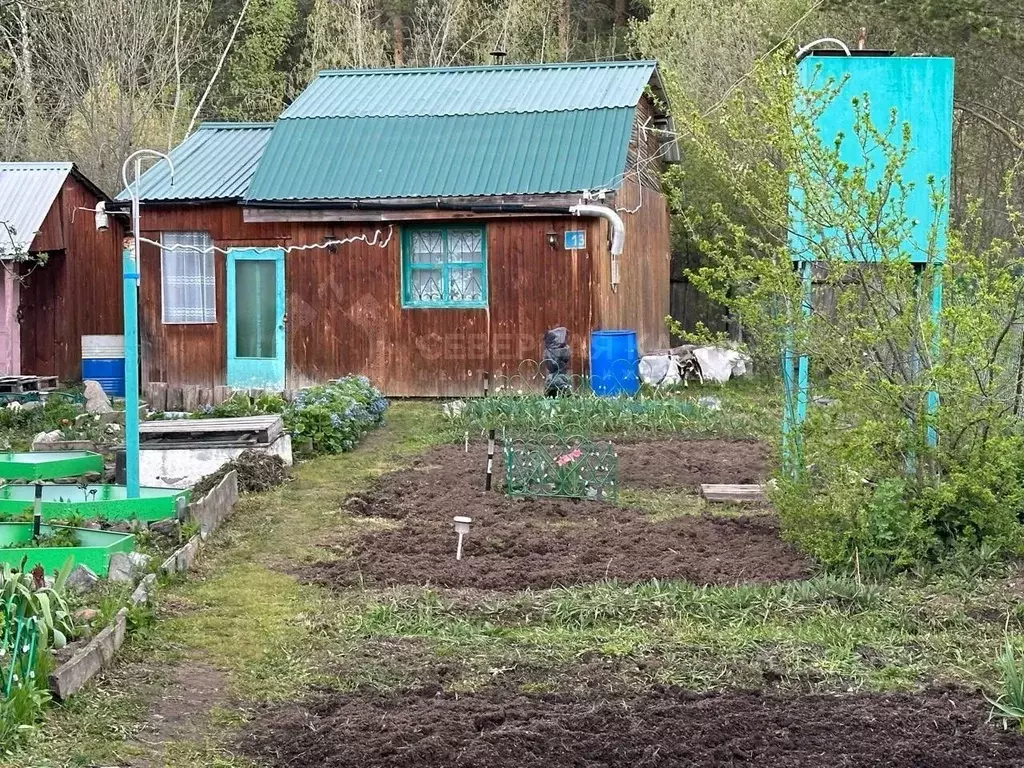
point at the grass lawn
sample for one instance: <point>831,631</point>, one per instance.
<point>249,631</point>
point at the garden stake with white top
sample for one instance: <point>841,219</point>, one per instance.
<point>37,512</point>
<point>490,458</point>
<point>487,383</point>
<point>461,528</point>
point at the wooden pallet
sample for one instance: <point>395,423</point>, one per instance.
<point>264,430</point>
<point>734,494</point>
<point>19,384</point>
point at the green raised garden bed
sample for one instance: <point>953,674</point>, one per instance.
<point>94,550</point>
<point>39,465</point>
<point>109,502</point>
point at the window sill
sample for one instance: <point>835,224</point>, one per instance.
<point>419,305</point>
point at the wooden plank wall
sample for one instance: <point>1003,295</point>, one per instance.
<point>78,292</point>
<point>190,354</point>
<point>690,307</point>
<point>344,311</point>
<point>644,158</point>
<point>641,302</point>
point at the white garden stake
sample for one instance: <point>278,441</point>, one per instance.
<point>37,512</point>
<point>461,528</point>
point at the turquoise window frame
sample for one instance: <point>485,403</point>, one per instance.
<point>446,268</point>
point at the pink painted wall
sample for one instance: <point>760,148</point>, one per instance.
<point>10,329</point>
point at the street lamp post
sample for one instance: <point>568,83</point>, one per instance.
<point>130,260</point>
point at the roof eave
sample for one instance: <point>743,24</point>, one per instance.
<point>81,177</point>
<point>121,204</point>
<point>524,201</point>
<point>663,111</point>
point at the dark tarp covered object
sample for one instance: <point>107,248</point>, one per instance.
<point>555,365</point>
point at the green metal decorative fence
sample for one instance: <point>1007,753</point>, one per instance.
<point>18,644</point>
<point>561,467</point>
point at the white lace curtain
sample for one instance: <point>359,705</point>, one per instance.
<point>188,278</point>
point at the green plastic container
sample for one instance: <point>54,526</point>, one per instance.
<point>48,465</point>
<point>94,551</point>
<point>110,502</point>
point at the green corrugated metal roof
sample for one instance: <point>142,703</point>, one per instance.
<point>462,131</point>
<point>214,163</point>
<point>473,90</point>
<point>447,156</point>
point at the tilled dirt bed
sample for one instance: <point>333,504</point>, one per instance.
<point>492,729</point>
<point>540,543</point>
<point>666,464</point>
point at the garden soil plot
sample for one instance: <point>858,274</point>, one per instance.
<point>667,464</point>
<point>497,728</point>
<point>540,543</point>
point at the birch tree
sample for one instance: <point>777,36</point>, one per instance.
<point>109,74</point>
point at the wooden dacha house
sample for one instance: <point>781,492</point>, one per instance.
<point>418,226</point>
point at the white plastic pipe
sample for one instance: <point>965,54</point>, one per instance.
<point>618,232</point>
<point>606,213</point>
<point>811,46</point>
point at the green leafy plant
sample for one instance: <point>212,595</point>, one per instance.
<point>1009,705</point>
<point>22,710</point>
<point>328,419</point>
<point>190,529</point>
<point>19,423</point>
<point>333,418</point>
<point>72,520</point>
<point>22,593</point>
<point>59,537</point>
<point>34,620</point>
<point>243,404</point>
<point>878,478</point>
<point>591,415</point>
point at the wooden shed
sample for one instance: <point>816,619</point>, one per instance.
<point>61,277</point>
<point>412,225</point>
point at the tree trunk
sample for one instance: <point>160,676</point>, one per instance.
<point>398,37</point>
<point>620,13</point>
<point>565,27</point>
<point>27,91</point>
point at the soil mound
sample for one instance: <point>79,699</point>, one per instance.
<point>492,729</point>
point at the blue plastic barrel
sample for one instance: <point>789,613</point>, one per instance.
<point>103,362</point>
<point>614,363</point>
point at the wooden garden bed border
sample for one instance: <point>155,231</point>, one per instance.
<point>210,511</point>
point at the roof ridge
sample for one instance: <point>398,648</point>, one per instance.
<point>51,164</point>
<point>482,113</point>
<point>488,67</point>
<point>228,125</point>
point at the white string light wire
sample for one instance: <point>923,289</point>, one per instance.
<point>374,241</point>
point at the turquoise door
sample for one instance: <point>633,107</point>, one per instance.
<point>256,339</point>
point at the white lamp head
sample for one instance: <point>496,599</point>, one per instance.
<point>102,218</point>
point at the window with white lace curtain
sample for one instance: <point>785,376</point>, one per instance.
<point>188,281</point>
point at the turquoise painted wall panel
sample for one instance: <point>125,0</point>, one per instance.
<point>920,90</point>
<point>255,318</point>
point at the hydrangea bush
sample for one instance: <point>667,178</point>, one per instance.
<point>334,417</point>
<point>331,418</point>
